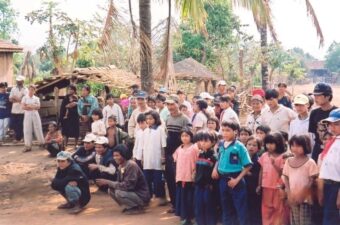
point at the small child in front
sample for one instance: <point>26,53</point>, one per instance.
<point>233,164</point>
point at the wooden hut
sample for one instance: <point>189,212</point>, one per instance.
<point>190,69</point>
<point>6,61</point>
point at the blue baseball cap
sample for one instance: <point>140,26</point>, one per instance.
<point>141,94</point>
<point>334,116</point>
<point>163,90</point>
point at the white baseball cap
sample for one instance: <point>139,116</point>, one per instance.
<point>20,78</point>
<point>90,137</point>
<point>101,141</point>
<point>206,95</point>
<point>221,82</point>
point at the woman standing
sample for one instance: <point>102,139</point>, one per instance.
<point>32,122</point>
<point>86,104</point>
<point>69,118</point>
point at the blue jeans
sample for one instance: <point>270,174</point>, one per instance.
<point>233,202</point>
<point>205,207</point>
<point>155,181</point>
<point>72,193</point>
<point>331,214</point>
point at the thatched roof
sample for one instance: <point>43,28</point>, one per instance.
<point>109,76</point>
<point>190,69</point>
<point>9,47</point>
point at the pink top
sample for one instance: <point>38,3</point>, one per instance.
<point>300,177</point>
<point>185,159</point>
<point>270,176</point>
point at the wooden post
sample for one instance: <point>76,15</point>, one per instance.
<point>56,99</point>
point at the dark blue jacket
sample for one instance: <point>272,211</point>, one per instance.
<point>5,106</point>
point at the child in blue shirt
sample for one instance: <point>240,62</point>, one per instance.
<point>233,164</point>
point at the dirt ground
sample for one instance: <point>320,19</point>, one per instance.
<point>26,196</point>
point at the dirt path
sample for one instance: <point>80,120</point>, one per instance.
<point>26,196</point>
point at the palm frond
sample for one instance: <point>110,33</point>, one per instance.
<point>112,13</point>
<point>311,13</point>
<point>134,27</point>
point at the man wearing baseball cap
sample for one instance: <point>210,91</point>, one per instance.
<point>86,154</point>
<point>299,126</point>
<point>221,88</point>
<point>330,171</point>
<point>71,182</point>
<point>17,113</point>
<point>104,166</point>
<point>142,107</point>
<point>323,95</point>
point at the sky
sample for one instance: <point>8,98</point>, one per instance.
<point>292,25</point>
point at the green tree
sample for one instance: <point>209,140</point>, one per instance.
<point>8,24</point>
<point>333,57</point>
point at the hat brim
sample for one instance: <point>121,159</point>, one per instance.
<point>87,140</point>
<point>171,102</point>
<point>62,158</point>
<point>318,93</point>
<point>331,120</point>
<point>300,103</point>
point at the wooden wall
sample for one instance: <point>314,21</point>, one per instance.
<point>6,68</point>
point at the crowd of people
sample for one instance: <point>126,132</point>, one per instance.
<point>281,166</point>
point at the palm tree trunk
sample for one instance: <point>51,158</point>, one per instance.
<point>134,29</point>
<point>145,45</point>
<point>264,61</point>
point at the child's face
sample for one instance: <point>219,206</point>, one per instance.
<point>3,90</point>
<point>224,105</point>
<point>335,128</point>
<point>142,125</point>
<point>185,138</point>
<point>211,125</point>
<point>31,91</point>
<point>228,134</point>
<point>271,147</point>
<point>206,145</point>
<point>260,134</point>
<point>256,105</point>
<point>301,109</point>
<point>110,101</point>
<point>252,147</point>
<point>195,108</point>
<point>133,103</point>
<point>184,110</point>
<point>95,117</point>
<point>159,104</point>
<point>244,136</point>
<point>111,122</point>
<point>150,120</point>
<point>152,104</point>
<point>51,128</point>
<point>326,138</point>
<point>297,149</point>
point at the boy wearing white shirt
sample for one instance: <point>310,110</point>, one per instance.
<point>299,126</point>
<point>228,114</point>
<point>112,109</point>
<point>137,152</point>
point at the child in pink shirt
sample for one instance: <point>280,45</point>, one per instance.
<point>272,162</point>
<point>185,157</point>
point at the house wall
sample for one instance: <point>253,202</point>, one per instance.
<point>6,68</point>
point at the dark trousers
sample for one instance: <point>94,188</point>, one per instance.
<point>316,152</point>
<point>185,200</point>
<point>331,214</point>
<point>155,181</point>
<point>205,207</point>
<point>233,200</point>
<point>53,148</point>
<point>254,208</point>
<point>96,174</point>
<point>170,174</point>
<point>17,123</point>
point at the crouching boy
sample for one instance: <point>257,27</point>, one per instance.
<point>71,182</point>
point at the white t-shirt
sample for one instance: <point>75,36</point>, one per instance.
<point>154,141</point>
<point>137,151</point>
<point>330,166</point>
<point>253,121</point>
<point>113,110</point>
<point>34,100</point>
<point>279,120</point>
<point>299,127</point>
<point>20,93</point>
<point>199,120</point>
<point>98,128</point>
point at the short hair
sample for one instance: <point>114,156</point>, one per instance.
<point>217,122</point>
<point>2,85</point>
<point>112,117</point>
<point>202,104</point>
<point>282,84</point>
<point>155,116</point>
<point>87,88</point>
<point>188,131</point>
<point>109,96</point>
<point>246,129</point>
<point>277,139</point>
<point>160,98</point>
<point>225,98</point>
<point>264,128</point>
<point>209,136</point>
<point>182,106</point>
<point>231,124</point>
<point>72,87</point>
<point>197,97</point>
<point>271,93</point>
<point>53,123</point>
<point>98,112</point>
<point>141,118</point>
<point>258,141</point>
<point>303,141</point>
<point>310,100</point>
<point>32,86</point>
<point>151,99</point>
<point>179,92</point>
<point>285,135</point>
